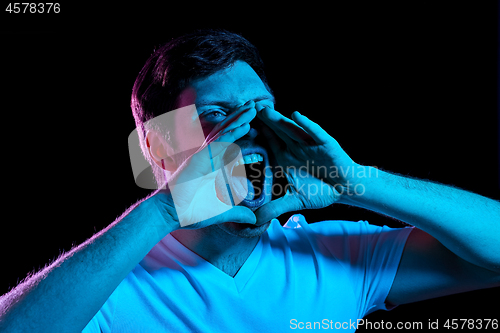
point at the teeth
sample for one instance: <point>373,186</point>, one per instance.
<point>249,159</point>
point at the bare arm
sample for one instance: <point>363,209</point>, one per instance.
<point>64,296</point>
<point>455,247</point>
<point>466,223</point>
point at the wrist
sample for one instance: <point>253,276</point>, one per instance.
<point>160,212</point>
<point>358,184</point>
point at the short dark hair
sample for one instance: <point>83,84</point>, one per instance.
<point>174,64</point>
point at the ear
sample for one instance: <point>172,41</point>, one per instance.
<point>160,151</point>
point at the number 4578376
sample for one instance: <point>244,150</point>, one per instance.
<point>33,7</point>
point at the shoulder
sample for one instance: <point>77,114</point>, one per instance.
<point>297,225</point>
<point>339,238</point>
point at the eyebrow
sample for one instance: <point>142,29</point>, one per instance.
<point>228,105</point>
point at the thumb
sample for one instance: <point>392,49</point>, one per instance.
<point>238,214</point>
<point>273,209</point>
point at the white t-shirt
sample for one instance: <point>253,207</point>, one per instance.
<point>299,276</point>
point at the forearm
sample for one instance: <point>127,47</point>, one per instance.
<point>64,296</point>
<point>466,223</point>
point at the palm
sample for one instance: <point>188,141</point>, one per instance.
<point>311,160</point>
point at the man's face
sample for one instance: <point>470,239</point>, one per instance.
<point>216,97</point>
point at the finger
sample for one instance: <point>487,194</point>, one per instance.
<point>234,134</point>
<point>263,115</point>
<point>219,146</point>
<point>237,214</point>
<point>283,125</point>
<point>275,143</point>
<point>314,130</point>
<point>274,120</point>
<point>244,114</point>
<point>275,208</point>
<point>231,129</point>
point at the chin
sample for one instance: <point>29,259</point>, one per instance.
<point>244,230</point>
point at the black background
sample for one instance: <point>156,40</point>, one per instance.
<point>410,87</point>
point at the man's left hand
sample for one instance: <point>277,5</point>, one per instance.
<point>316,167</point>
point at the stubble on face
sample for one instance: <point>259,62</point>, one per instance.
<point>244,230</point>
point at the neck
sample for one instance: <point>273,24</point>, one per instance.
<point>223,250</point>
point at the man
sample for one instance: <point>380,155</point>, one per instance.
<point>166,266</point>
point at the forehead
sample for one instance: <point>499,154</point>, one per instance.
<point>234,85</point>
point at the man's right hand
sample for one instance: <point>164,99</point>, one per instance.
<point>189,200</point>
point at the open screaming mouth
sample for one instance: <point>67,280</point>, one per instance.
<point>247,176</point>
<point>250,178</point>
